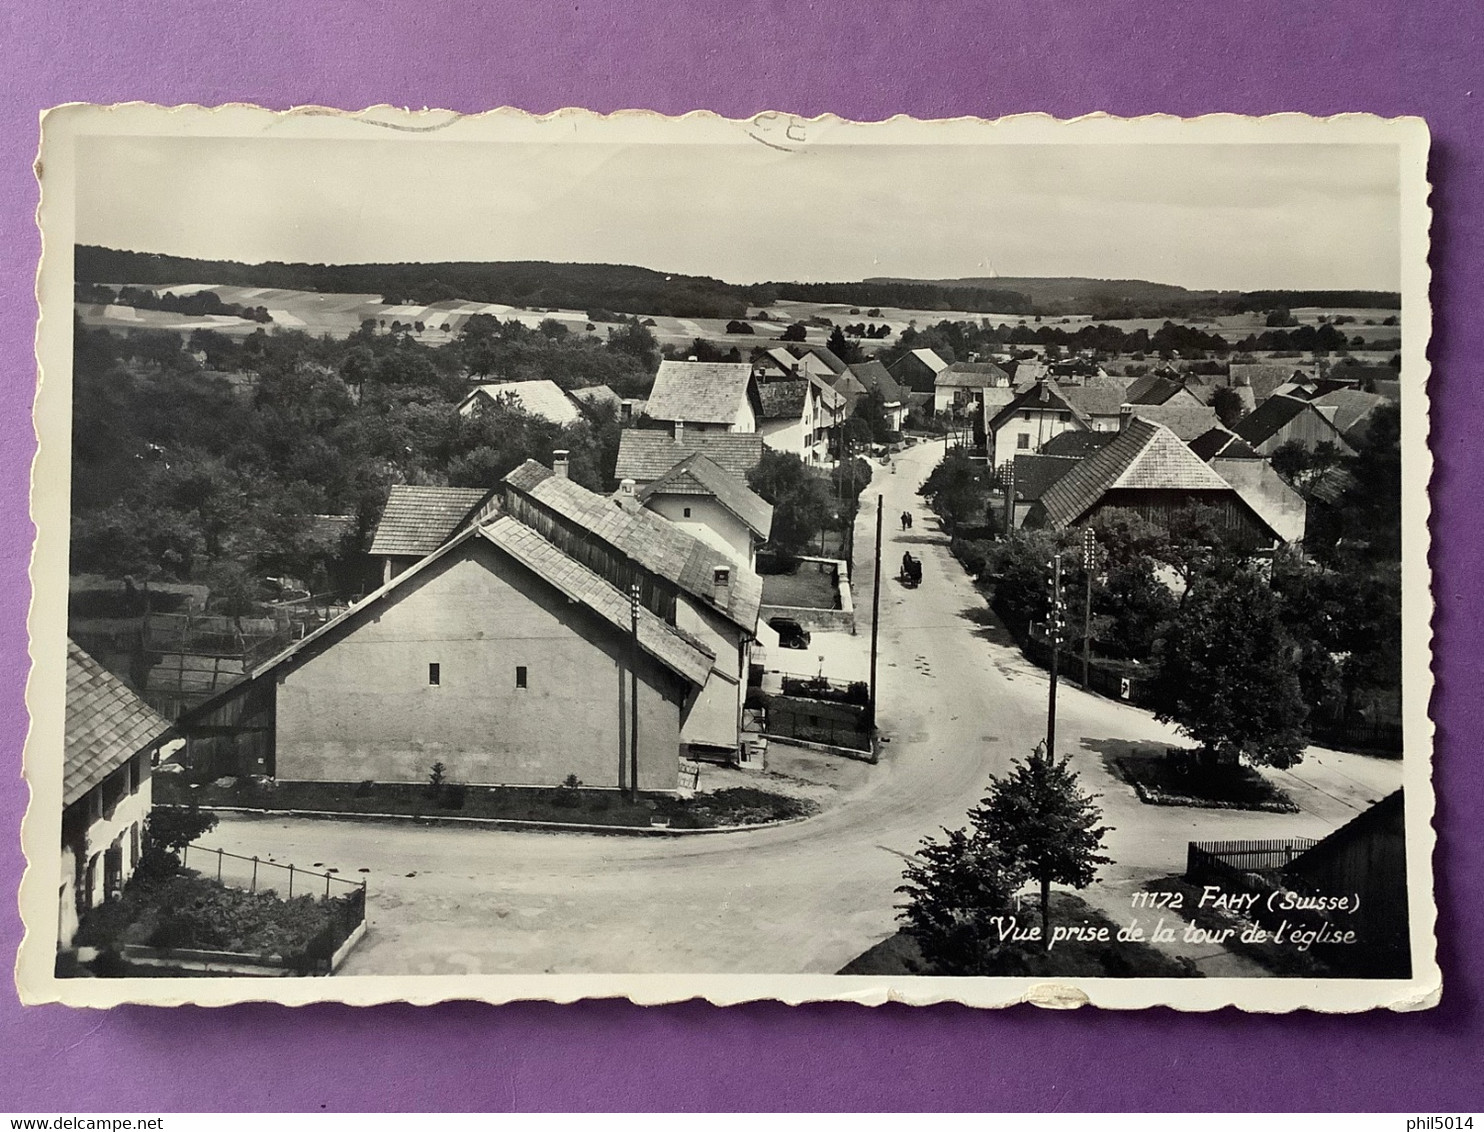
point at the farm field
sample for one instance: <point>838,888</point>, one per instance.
<point>340,315</point>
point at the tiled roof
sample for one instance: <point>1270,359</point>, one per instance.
<point>1264,421</point>
<point>971,375</point>
<point>1265,491</point>
<point>1350,407</point>
<point>697,475</point>
<point>107,725</point>
<point>676,650</point>
<point>700,392</point>
<point>1152,389</point>
<point>1034,474</point>
<point>1185,420</point>
<point>1101,398</point>
<point>538,398</point>
<point>597,395</point>
<point>827,357</point>
<point>1041,396</point>
<point>646,454</point>
<point>1078,442</point>
<point>1224,443</point>
<point>654,543</point>
<point>1264,377</point>
<point>1029,371</point>
<point>874,375</point>
<point>1145,456</point>
<point>418,520</point>
<point>930,359</point>
<point>827,395</point>
<point>783,400</point>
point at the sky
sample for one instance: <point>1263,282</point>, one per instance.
<point>1239,217</point>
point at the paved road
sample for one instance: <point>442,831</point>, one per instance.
<point>958,702</point>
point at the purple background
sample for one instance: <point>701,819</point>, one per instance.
<point>864,61</point>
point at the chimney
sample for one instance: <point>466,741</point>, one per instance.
<point>679,432</point>
<point>559,462</point>
<point>721,584</point>
<point>1125,416</point>
<point>627,488</point>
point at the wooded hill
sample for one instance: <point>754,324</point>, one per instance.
<point>1139,298</point>
<point>534,284</point>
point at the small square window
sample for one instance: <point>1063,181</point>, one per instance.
<point>520,675</point>
<point>1023,441</point>
<point>687,512</point>
<point>435,675</point>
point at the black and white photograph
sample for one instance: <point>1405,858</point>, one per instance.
<point>514,557</point>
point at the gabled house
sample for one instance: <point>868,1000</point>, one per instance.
<point>1255,382</point>
<point>960,387</point>
<point>800,417</point>
<point>507,655</point>
<point>1349,410</point>
<point>1028,421</point>
<point>817,361</point>
<point>595,397</point>
<point>917,369</point>
<point>417,520</point>
<point>1221,442</point>
<point>110,740</point>
<point>873,376</point>
<point>704,397</point>
<point>1150,470</point>
<point>1098,401</point>
<point>1160,389</point>
<point>716,507</point>
<point>644,455</point>
<point>1282,419</point>
<point>544,399</point>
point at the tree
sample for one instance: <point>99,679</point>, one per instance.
<point>166,833</point>
<point>1041,822</point>
<point>737,326</point>
<point>867,419</point>
<point>1280,316</point>
<point>954,894</point>
<point>801,500</point>
<point>635,340</point>
<point>956,490</point>
<point>1228,406</point>
<point>1226,672</point>
<point>794,332</point>
<point>844,349</point>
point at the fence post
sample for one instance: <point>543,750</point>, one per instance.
<point>218,866</point>
<point>291,881</point>
<point>327,886</point>
<point>254,887</point>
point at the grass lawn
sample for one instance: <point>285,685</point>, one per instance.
<point>809,587</point>
<point>899,955</point>
<point>1162,781</point>
<point>738,805</point>
<point>1280,959</point>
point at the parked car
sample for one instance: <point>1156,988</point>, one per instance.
<point>791,635</point>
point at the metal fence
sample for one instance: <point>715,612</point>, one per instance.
<point>253,873</point>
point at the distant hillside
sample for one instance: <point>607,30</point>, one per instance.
<point>1139,298</point>
<point>569,286</point>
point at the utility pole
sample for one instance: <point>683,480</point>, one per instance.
<point>876,606</point>
<point>1089,564</point>
<point>1055,625</point>
<point>634,693</point>
<point>1007,477</point>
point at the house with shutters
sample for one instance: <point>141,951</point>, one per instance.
<point>1031,418</point>
<point>517,653</point>
<point>704,397</point>
<point>110,741</point>
<point>960,387</point>
<point>800,417</point>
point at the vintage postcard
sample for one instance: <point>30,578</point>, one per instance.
<point>510,557</point>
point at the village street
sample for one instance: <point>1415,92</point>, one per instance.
<point>958,703</point>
